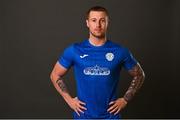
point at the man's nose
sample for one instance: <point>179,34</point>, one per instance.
<point>98,24</point>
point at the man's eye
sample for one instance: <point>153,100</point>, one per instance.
<point>102,20</point>
<point>94,20</point>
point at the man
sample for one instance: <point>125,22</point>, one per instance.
<point>97,63</point>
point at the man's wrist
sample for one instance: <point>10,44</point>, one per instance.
<point>125,99</point>
<point>67,97</point>
<point>129,95</point>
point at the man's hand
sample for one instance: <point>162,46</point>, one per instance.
<point>77,105</point>
<point>117,105</point>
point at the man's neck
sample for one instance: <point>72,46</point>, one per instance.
<point>97,41</point>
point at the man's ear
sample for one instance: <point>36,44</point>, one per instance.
<point>87,23</point>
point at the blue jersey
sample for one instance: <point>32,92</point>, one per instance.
<point>97,72</point>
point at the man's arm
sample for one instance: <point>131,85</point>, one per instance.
<point>56,77</point>
<point>138,78</point>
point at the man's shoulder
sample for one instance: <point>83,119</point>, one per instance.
<point>118,47</point>
<point>82,43</point>
<point>74,44</point>
<point>115,45</point>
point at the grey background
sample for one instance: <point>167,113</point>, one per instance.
<point>34,33</point>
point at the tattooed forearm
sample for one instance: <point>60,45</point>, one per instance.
<point>138,79</point>
<point>61,85</point>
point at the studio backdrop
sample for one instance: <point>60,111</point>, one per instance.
<point>34,33</point>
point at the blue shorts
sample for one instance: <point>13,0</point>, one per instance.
<point>108,116</point>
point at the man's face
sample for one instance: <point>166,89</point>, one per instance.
<point>97,23</point>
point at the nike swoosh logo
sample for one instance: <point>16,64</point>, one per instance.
<point>83,56</point>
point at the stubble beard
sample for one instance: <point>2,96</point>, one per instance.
<point>98,36</point>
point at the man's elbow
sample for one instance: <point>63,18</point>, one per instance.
<point>143,75</point>
<point>51,76</point>
<point>54,76</point>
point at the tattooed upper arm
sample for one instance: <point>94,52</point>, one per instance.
<point>138,78</point>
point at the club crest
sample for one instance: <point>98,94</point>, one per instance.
<point>109,56</point>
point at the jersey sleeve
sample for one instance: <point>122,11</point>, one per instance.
<point>129,61</point>
<point>66,59</point>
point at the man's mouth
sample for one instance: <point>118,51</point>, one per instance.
<point>98,30</point>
